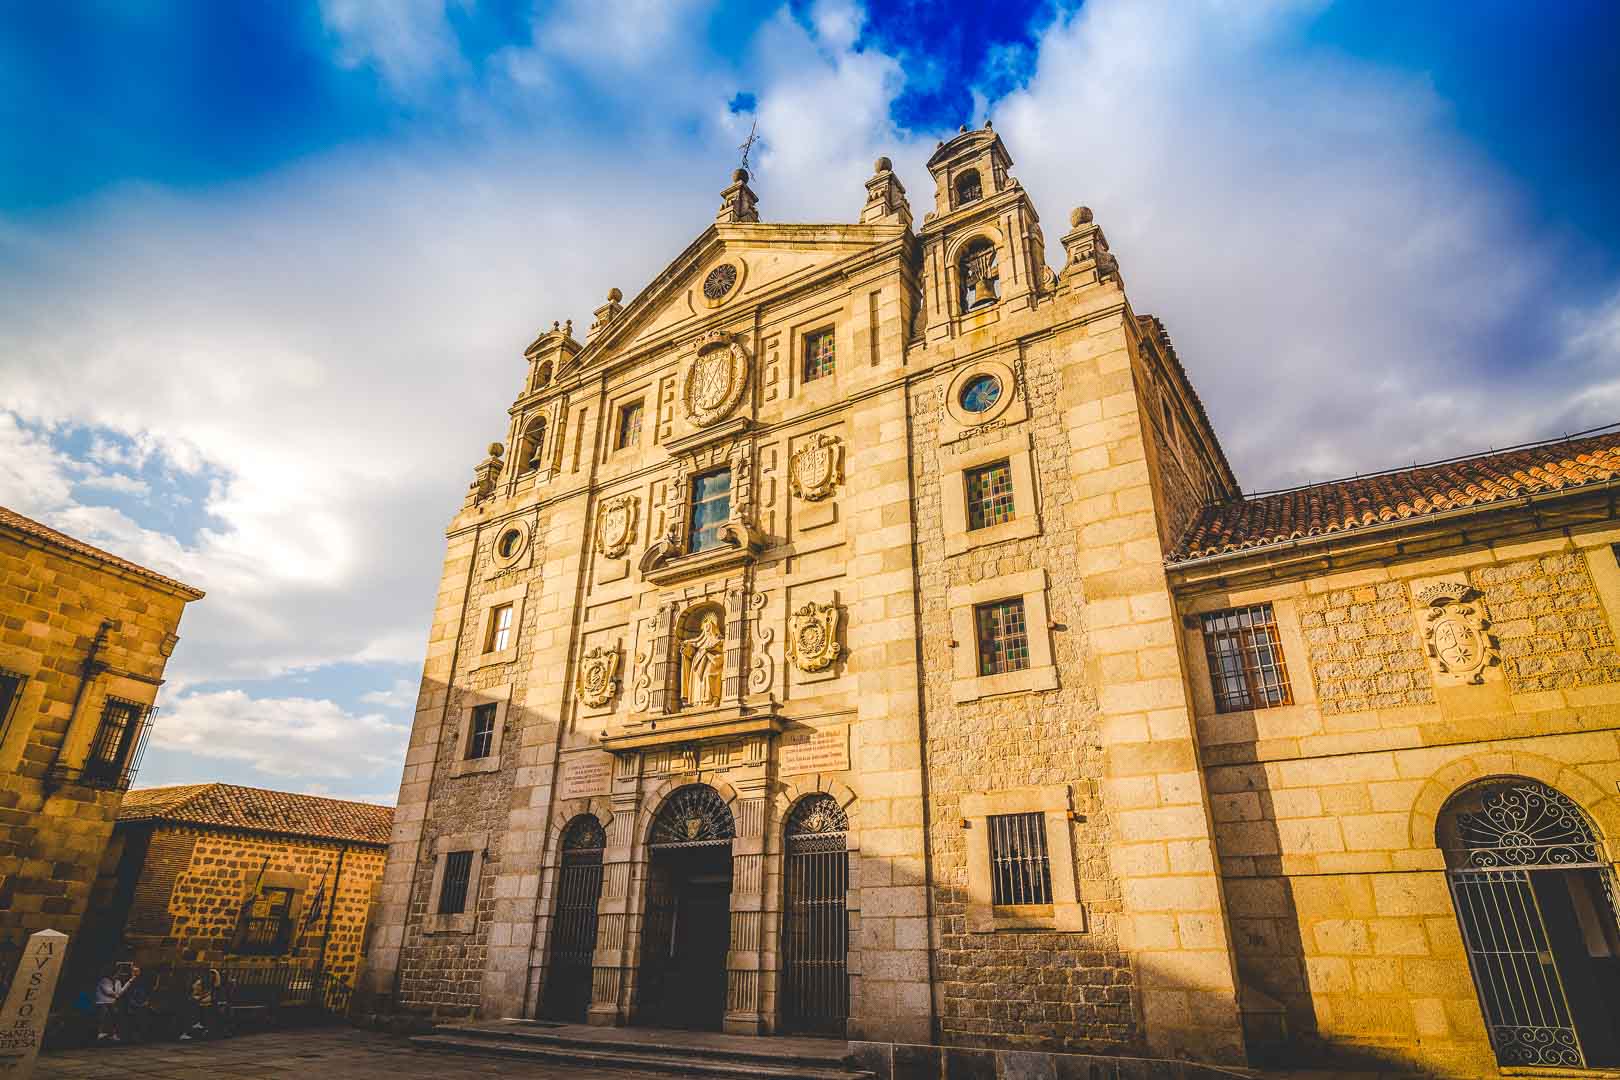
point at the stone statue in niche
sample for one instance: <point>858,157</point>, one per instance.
<point>703,662</point>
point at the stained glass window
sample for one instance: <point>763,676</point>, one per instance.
<point>989,495</point>
<point>818,355</point>
<point>1003,637</point>
<point>981,392</point>
<point>711,505</point>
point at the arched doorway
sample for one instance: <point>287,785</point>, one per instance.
<point>687,929</point>
<point>573,927</point>
<point>1535,901</point>
<point>815,922</point>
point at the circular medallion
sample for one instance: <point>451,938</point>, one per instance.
<point>981,392</point>
<point>721,280</point>
<point>812,639</point>
<point>715,379</point>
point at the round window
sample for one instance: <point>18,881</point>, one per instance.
<point>981,392</point>
<point>719,281</point>
<point>510,541</point>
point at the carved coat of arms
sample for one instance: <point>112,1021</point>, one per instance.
<point>715,379</point>
<point>813,636</point>
<point>598,676</point>
<point>616,526</point>
<point>816,467</point>
<point>1456,631</point>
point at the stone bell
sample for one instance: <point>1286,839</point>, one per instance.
<point>983,291</point>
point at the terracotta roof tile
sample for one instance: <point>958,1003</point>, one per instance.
<point>10,519</point>
<point>232,807</point>
<point>1405,494</point>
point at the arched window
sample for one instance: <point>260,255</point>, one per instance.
<point>542,375</point>
<point>694,815</point>
<point>976,270</point>
<point>1535,903</point>
<point>968,188</point>
<point>531,448</point>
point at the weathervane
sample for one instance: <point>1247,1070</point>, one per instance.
<point>748,143</point>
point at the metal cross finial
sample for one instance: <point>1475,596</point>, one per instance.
<point>748,144</point>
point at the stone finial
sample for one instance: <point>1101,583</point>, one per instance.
<point>738,203</point>
<point>882,165</point>
<point>485,473</point>
<point>1089,259</point>
<point>568,328</point>
<point>885,197</point>
<point>1080,215</point>
<point>614,296</point>
<point>606,313</point>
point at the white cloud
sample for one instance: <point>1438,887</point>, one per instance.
<point>402,695</point>
<point>283,737</point>
<point>409,42</point>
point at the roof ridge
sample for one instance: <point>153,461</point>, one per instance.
<point>41,531</point>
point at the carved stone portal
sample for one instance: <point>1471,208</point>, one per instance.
<point>715,379</point>
<point>816,467</point>
<point>1455,630</point>
<point>616,526</point>
<point>703,663</point>
<point>813,636</point>
<point>598,676</point>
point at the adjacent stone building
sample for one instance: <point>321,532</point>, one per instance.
<point>84,638</point>
<point>863,632</point>
<point>223,874</point>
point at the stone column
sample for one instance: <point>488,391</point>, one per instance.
<point>745,959</point>
<point>617,928</point>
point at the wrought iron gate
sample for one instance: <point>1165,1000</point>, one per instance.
<point>1496,838</point>
<point>815,925</point>
<point>573,929</point>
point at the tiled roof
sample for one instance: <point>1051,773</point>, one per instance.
<point>228,806</point>
<point>1402,495</point>
<point>10,519</point>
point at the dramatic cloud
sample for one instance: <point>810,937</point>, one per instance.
<point>291,738</point>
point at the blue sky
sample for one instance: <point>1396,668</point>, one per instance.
<point>266,271</point>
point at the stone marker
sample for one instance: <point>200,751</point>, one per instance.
<point>28,1004</point>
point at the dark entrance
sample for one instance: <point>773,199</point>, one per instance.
<point>1535,903</point>
<point>687,929</point>
<point>815,926</point>
<point>573,931</point>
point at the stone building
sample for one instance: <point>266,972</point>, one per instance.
<point>219,873</point>
<point>84,638</point>
<point>862,631</point>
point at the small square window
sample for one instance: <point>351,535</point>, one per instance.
<point>1003,637</point>
<point>457,880</point>
<point>268,926</point>
<point>1246,665</point>
<point>1020,868</point>
<point>629,426</point>
<point>500,628</point>
<point>818,355</point>
<point>711,506</point>
<point>989,495</point>
<point>481,732</point>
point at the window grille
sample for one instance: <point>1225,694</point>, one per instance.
<point>112,758</point>
<point>818,355</point>
<point>989,495</point>
<point>711,506</point>
<point>1020,871</point>
<point>500,628</point>
<point>629,425</point>
<point>268,926</point>
<point>1246,665</point>
<point>457,880</point>
<point>481,735</point>
<point>1003,637</point>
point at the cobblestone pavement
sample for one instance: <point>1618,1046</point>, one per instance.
<point>313,1054</point>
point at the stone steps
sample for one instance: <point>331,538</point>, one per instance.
<point>684,1055</point>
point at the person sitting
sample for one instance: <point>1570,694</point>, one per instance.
<point>108,989</point>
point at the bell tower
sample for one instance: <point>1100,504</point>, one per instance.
<point>982,244</point>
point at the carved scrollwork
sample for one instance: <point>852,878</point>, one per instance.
<point>641,681</point>
<point>760,665</point>
<point>598,676</point>
<point>813,636</point>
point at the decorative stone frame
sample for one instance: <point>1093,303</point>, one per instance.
<point>514,595</point>
<point>826,317</point>
<point>739,371</point>
<point>467,920</point>
<point>1064,913</point>
<point>520,557</point>
<point>649,422</point>
<point>500,697</point>
<point>955,463</point>
<point>1010,408</point>
<point>17,725</point>
<point>731,293</point>
<point>736,455</point>
<point>966,683</point>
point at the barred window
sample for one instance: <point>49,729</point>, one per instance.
<point>500,628</point>
<point>1020,871</point>
<point>108,763</point>
<point>1003,637</point>
<point>481,735</point>
<point>629,425</point>
<point>711,506</point>
<point>818,355</point>
<point>268,926</point>
<point>457,879</point>
<point>989,494</point>
<point>1245,659</point>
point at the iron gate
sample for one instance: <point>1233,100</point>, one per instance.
<point>1496,837</point>
<point>815,924</point>
<point>573,928</point>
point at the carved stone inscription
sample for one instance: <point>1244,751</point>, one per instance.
<point>814,751</point>
<point>585,776</point>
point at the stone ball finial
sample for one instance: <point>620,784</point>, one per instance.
<point>962,130</point>
<point>1080,215</point>
<point>614,296</point>
<point>496,449</point>
<point>569,327</point>
<point>740,176</point>
<point>555,326</point>
<point>988,126</point>
<point>882,165</point>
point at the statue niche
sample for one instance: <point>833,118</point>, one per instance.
<point>703,658</point>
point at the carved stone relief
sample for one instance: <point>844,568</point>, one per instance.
<point>598,676</point>
<point>817,467</point>
<point>641,678</point>
<point>703,662</point>
<point>616,525</point>
<point>760,666</point>
<point>715,378</point>
<point>1455,630</point>
<point>813,636</point>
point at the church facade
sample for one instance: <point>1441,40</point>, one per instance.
<point>863,633</point>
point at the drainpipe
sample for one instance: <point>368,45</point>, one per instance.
<point>89,668</point>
